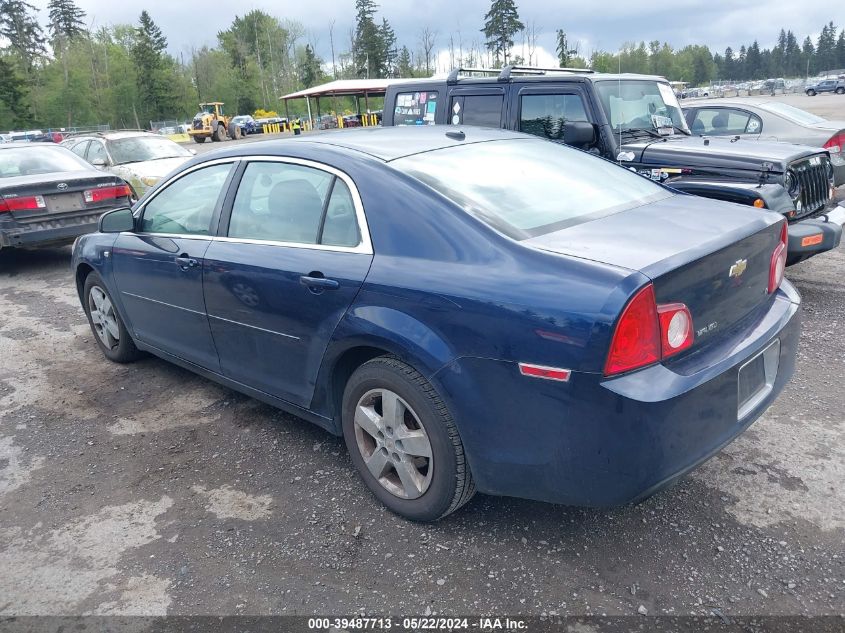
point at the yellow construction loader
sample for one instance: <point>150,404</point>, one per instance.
<point>210,122</point>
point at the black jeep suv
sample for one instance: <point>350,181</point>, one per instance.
<point>635,120</point>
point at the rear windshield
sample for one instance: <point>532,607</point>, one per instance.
<point>38,159</point>
<point>792,113</point>
<point>525,187</point>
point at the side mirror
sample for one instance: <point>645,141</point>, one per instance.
<point>99,163</point>
<point>117,221</point>
<point>579,133</point>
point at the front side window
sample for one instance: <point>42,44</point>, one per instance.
<point>283,202</point>
<point>415,108</point>
<point>526,187</point>
<point>639,104</point>
<point>186,206</point>
<point>545,115</point>
<point>80,148</point>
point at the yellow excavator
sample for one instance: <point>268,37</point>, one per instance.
<point>210,122</point>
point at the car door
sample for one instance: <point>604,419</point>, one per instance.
<point>477,106</point>
<point>295,253</point>
<point>158,268</point>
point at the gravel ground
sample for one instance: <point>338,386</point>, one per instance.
<point>144,489</point>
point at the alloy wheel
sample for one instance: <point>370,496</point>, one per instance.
<point>103,317</point>
<point>393,443</point>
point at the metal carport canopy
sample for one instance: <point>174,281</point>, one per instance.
<point>342,88</point>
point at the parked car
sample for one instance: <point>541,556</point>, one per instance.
<point>763,119</point>
<point>825,85</point>
<point>635,120</point>
<point>140,158</point>
<point>49,196</point>
<point>424,293</point>
<point>247,124</point>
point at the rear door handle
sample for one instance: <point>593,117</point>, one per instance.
<point>319,283</point>
<point>184,262</point>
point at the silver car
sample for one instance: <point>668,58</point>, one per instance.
<point>140,158</point>
<point>764,119</point>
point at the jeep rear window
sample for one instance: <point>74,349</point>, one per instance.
<point>415,108</point>
<point>526,187</point>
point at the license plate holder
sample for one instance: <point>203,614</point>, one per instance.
<point>756,379</point>
<point>64,202</point>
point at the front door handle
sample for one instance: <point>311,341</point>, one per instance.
<point>318,284</point>
<point>184,262</point>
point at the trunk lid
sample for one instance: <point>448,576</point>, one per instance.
<point>712,256</point>
<point>62,193</point>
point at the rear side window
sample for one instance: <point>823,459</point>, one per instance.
<point>725,121</point>
<point>185,207</point>
<point>283,202</point>
<point>415,108</point>
<point>482,110</point>
<point>525,188</point>
<point>79,148</point>
<point>545,115</point>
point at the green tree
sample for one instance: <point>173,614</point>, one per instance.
<point>404,64</point>
<point>501,23</point>
<point>13,108</point>
<point>310,68</point>
<point>826,58</point>
<point>155,71</point>
<point>66,20</point>
<point>562,49</point>
<point>808,53</point>
<point>367,46</point>
<point>387,50</point>
<point>19,25</point>
<point>840,50</point>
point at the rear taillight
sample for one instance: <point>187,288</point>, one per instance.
<point>836,143</point>
<point>675,328</point>
<point>647,333</point>
<point>23,203</point>
<point>106,193</point>
<point>778,263</point>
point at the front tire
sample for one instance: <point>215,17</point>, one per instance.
<point>109,331</point>
<point>220,133</point>
<point>403,441</point>
<point>199,139</point>
<point>840,91</point>
<point>811,93</point>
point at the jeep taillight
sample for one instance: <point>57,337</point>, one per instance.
<point>778,262</point>
<point>647,333</point>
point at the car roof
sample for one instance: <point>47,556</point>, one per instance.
<point>384,143</point>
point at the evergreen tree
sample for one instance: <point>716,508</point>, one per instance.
<point>753,62</point>
<point>66,20</point>
<point>562,49</point>
<point>826,58</point>
<point>310,68</point>
<point>840,50</point>
<point>19,25</point>
<point>12,96</point>
<point>404,64</point>
<point>808,52</point>
<point>729,64</point>
<point>367,48</point>
<point>387,52</point>
<point>154,81</point>
<point>792,56</point>
<point>501,23</point>
<point>740,64</point>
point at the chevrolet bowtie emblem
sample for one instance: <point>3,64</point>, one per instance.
<point>738,268</point>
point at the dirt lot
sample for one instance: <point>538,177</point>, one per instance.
<point>145,489</point>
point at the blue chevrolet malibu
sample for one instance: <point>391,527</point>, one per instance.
<point>470,310</point>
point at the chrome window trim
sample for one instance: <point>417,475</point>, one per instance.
<point>365,246</point>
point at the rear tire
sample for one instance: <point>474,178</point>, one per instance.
<point>840,91</point>
<point>199,139</point>
<point>110,333</point>
<point>811,93</point>
<point>220,133</point>
<point>417,454</point>
<point>234,131</point>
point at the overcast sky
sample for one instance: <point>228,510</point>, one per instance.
<point>716,23</point>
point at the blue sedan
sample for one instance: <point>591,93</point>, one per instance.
<point>470,310</point>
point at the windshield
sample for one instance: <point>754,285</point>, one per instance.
<point>140,148</point>
<point>792,113</point>
<point>640,104</point>
<point>38,159</point>
<point>528,187</point>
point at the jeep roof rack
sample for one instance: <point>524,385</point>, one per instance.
<point>505,73</point>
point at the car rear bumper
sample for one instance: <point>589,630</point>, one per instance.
<point>49,230</point>
<point>594,441</point>
<point>817,235</point>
